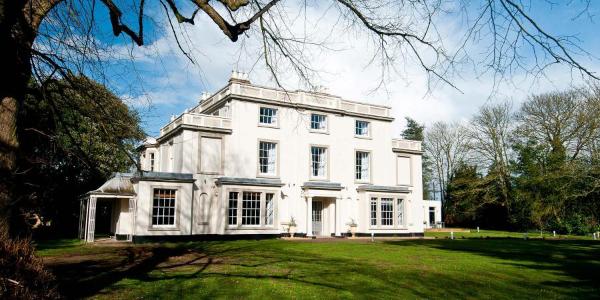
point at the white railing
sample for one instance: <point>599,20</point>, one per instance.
<point>198,120</point>
<point>295,97</point>
<point>406,144</point>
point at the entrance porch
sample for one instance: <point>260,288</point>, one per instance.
<point>323,201</point>
<point>108,212</point>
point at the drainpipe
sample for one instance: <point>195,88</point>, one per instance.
<point>192,213</point>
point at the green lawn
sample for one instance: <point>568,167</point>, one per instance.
<point>473,267</point>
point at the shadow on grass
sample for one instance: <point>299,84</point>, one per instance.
<point>88,274</point>
<point>57,244</point>
<point>278,269</point>
<point>577,260</point>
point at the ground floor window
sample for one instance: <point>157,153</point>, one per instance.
<point>232,210</point>
<point>251,208</point>
<point>269,215</point>
<point>373,211</point>
<point>383,209</point>
<point>163,207</point>
<point>387,211</point>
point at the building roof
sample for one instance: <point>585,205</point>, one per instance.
<point>244,90</point>
<point>118,184</point>
<point>163,176</point>
<point>319,185</point>
<point>249,181</point>
<point>383,188</point>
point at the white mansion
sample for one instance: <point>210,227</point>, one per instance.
<point>252,160</point>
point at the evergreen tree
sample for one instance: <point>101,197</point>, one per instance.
<point>416,132</point>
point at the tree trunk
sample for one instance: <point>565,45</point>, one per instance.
<point>16,38</point>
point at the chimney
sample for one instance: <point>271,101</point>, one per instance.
<point>205,95</point>
<point>239,77</point>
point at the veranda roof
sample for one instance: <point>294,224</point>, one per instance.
<point>118,184</point>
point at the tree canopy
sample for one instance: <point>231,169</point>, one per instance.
<point>534,167</point>
<point>75,133</point>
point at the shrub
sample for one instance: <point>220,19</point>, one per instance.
<point>22,274</point>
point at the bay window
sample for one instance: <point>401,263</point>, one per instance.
<point>251,209</point>
<point>386,212</point>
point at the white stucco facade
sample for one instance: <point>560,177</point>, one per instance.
<point>251,160</point>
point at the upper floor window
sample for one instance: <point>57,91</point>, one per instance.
<point>152,162</point>
<point>318,122</point>
<point>163,207</point>
<point>268,116</point>
<point>362,166</point>
<point>362,128</point>
<point>267,158</point>
<point>318,162</point>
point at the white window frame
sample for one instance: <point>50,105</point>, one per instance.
<point>152,158</point>
<point>275,172</point>
<point>251,208</point>
<point>368,129</point>
<point>263,217</point>
<point>363,178</point>
<point>274,117</point>
<point>175,208</point>
<point>269,209</point>
<point>232,217</point>
<point>373,202</point>
<point>389,214</point>
<point>324,120</point>
<point>395,213</point>
<point>325,167</point>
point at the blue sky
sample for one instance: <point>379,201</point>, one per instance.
<point>159,81</point>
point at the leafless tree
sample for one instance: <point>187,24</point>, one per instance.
<point>447,146</point>
<point>566,121</point>
<point>489,132</point>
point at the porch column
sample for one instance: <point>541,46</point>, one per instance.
<point>337,216</point>
<point>91,220</point>
<point>309,228</point>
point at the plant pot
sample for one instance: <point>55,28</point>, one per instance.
<point>353,231</point>
<point>292,230</point>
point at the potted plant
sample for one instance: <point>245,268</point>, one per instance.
<point>292,227</point>
<point>352,224</point>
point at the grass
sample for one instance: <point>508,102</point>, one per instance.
<point>472,267</point>
<point>506,234</point>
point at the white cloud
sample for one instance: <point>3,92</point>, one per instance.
<point>171,83</point>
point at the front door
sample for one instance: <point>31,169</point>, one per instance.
<point>432,216</point>
<point>317,217</point>
<point>104,211</point>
